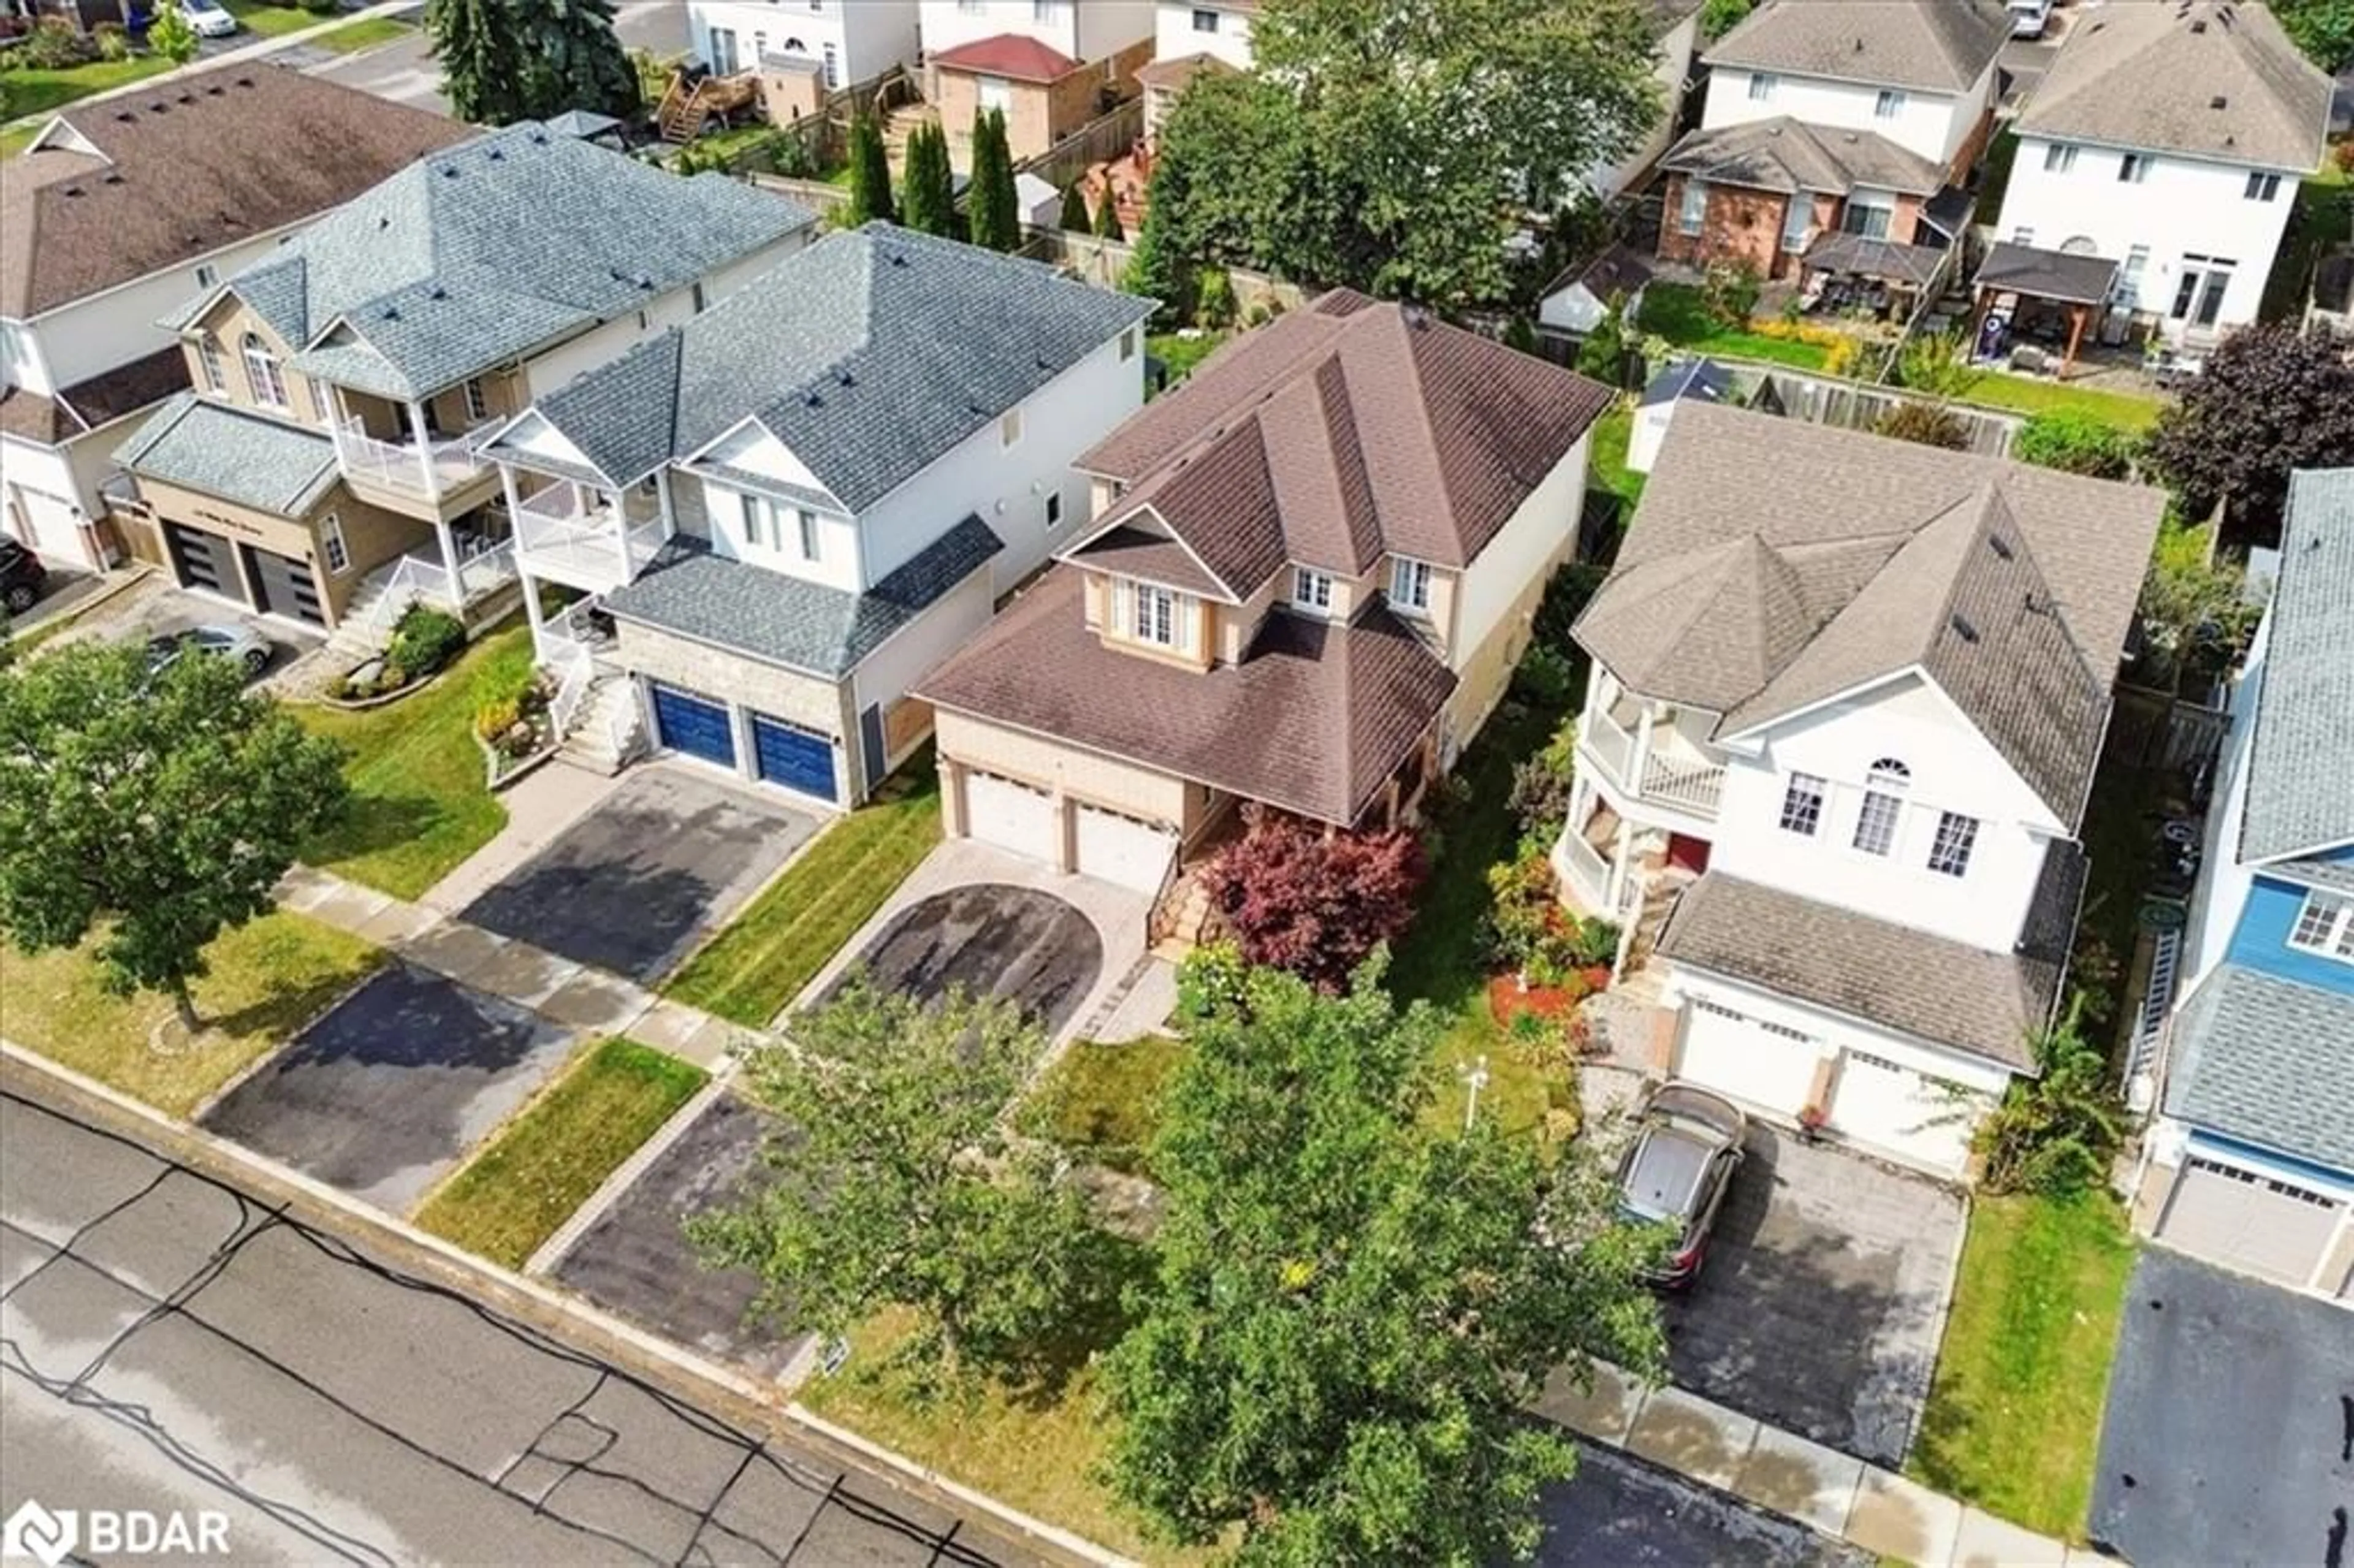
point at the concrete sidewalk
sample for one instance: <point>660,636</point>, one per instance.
<point>1841,1496</point>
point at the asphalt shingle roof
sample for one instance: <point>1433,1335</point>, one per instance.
<point>2301,759</point>
<point>869,356</point>
<point>2047,274</point>
<point>1790,156</point>
<point>782,619</point>
<point>224,450</point>
<point>2267,1060</point>
<point>1932,45</point>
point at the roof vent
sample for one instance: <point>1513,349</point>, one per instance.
<point>1042,362</point>
<point>124,116</point>
<point>2219,101</point>
<point>245,82</point>
<point>159,108</point>
<point>185,98</point>
<point>391,313</point>
<point>110,178</point>
<point>1963,628</point>
<point>539,138</point>
<point>214,90</point>
<point>898,259</point>
<point>495,156</point>
<point>812,400</point>
<point>2000,545</point>
<point>843,379</point>
<point>73,190</point>
<point>383,222</point>
<point>450,172</point>
<point>2200,25</point>
<point>438,293</point>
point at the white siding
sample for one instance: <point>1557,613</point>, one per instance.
<point>1108,26</point>
<point>886,673</point>
<point>1523,551</point>
<point>836,566</point>
<point>1174,35</point>
<point>868,35</point>
<point>1672,66</point>
<point>99,331</point>
<point>1932,124</point>
<point>946,24</point>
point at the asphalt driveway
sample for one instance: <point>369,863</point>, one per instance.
<point>991,939</point>
<point>1621,1512</point>
<point>386,1091</point>
<point>633,886</point>
<point>634,1259</point>
<point>1820,1305</point>
<point>2230,1432</point>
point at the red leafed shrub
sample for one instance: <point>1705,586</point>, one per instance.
<point>1314,903</point>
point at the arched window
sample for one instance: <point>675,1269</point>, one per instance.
<point>261,372</point>
<point>1882,811</point>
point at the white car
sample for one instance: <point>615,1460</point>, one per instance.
<point>2028,17</point>
<point>208,18</point>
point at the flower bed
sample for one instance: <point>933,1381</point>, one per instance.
<point>1510,997</point>
<point>424,643</point>
<point>516,731</point>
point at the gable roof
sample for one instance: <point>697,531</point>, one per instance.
<point>2214,79</point>
<point>102,399</point>
<point>222,450</point>
<point>2264,1059</point>
<point>1932,45</point>
<point>868,356</point>
<point>1790,156</point>
<point>1015,56</point>
<point>1340,433</point>
<point>1702,379</point>
<point>2011,588</point>
<point>2302,753</point>
<point>182,169</point>
<point>478,256</point>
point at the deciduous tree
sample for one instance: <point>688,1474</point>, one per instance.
<point>1311,901</point>
<point>2270,399</point>
<point>170,35</point>
<point>156,810</point>
<point>992,205</point>
<point>2056,1132</point>
<point>2323,29</point>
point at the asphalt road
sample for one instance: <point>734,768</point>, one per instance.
<point>170,1342</point>
<point>405,71</point>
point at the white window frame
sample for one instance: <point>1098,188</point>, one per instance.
<point>811,539</point>
<point>209,357</point>
<point>2133,169</point>
<point>1955,842</point>
<point>262,377</point>
<point>1311,589</point>
<point>1410,585</point>
<point>1009,430</point>
<point>1691,207</point>
<point>832,58</point>
<point>1797,221</point>
<point>749,510</point>
<point>2130,275</point>
<point>478,400</point>
<point>2024,235</point>
<point>1803,799</point>
<point>1879,817</point>
<point>1128,345</point>
<point>1762,84</point>
<point>2059,158</point>
<point>2324,926</point>
<point>1888,105</point>
<point>332,547</point>
<point>1153,614</point>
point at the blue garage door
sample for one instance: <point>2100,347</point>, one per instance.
<point>696,726</point>
<point>796,758</point>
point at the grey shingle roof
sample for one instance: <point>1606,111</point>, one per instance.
<point>2215,78</point>
<point>2266,1059</point>
<point>1702,379</point>
<point>2302,755</point>
<point>1885,259</point>
<point>1788,155</point>
<point>782,619</point>
<point>2047,274</point>
<point>475,257</point>
<point>869,356</point>
<point>1933,46</point>
<point>247,457</point>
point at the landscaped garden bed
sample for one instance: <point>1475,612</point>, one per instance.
<point>425,642</point>
<point>517,730</point>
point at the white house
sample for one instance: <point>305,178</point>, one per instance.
<point>1082,30</point>
<point>792,505</point>
<point>111,217</point>
<point>1218,28</point>
<point>1675,32</point>
<point>2169,140</point>
<point>853,40</point>
<point>1834,758</point>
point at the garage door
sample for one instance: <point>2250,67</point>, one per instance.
<point>286,587</point>
<point>1123,850</point>
<point>1011,816</point>
<point>205,561</point>
<point>696,726</point>
<point>56,533</point>
<point>2250,1221</point>
<point>1747,1058</point>
<point>793,755</point>
<point>1923,1119</point>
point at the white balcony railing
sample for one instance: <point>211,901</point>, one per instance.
<point>1674,773</point>
<point>430,470</point>
<point>557,533</point>
<point>1583,871</point>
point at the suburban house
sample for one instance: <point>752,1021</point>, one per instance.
<point>1675,34</point>
<point>779,514</point>
<point>1834,756</point>
<point>325,466</point>
<point>1831,117</point>
<point>110,217</point>
<point>1076,30</point>
<point>1044,93</point>
<point>2165,148</point>
<point>849,40</point>
<point>1307,577</point>
<point>2251,1161</point>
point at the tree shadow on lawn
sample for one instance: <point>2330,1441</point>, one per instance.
<point>372,824</point>
<point>1114,1271</point>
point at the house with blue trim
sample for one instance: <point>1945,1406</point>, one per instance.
<point>2251,1161</point>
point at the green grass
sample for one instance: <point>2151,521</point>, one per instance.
<point>15,137</point>
<point>39,92</point>
<point>269,978</point>
<point>2032,395</point>
<point>752,969</point>
<point>1611,435</point>
<point>1182,356</point>
<point>510,1198</point>
<point>1678,313</point>
<point>365,34</point>
<point>418,802</point>
<point>1103,1101</point>
<point>2013,1422</point>
<point>269,21</point>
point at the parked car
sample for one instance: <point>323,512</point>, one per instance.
<point>248,647</point>
<point>1688,1144</point>
<point>2028,17</point>
<point>208,18</point>
<point>22,577</point>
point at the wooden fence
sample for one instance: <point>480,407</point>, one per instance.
<point>1104,262</point>
<point>1851,405</point>
<point>1099,141</point>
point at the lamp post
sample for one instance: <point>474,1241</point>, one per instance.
<point>1475,1078</point>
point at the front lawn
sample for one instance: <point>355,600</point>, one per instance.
<point>1103,1101</point>
<point>2034,395</point>
<point>266,20</point>
<point>33,91</point>
<point>365,34</point>
<point>753,968</point>
<point>419,806</point>
<point>1679,312</point>
<point>2013,1422</point>
<point>511,1197</point>
<point>268,978</point>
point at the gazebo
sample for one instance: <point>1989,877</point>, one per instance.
<point>1880,273</point>
<point>2022,288</point>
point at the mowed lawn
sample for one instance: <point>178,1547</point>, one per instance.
<point>420,805</point>
<point>268,978</point>
<point>365,34</point>
<point>33,91</point>
<point>753,969</point>
<point>1103,1101</point>
<point>2032,395</point>
<point>547,1162</point>
<point>2013,1422</point>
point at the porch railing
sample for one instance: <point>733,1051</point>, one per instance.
<point>564,648</point>
<point>1584,870</point>
<point>583,541</point>
<point>1672,773</point>
<point>414,579</point>
<point>1612,747</point>
<point>403,466</point>
<point>1674,780</point>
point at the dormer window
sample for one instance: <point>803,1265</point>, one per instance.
<point>1158,617</point>
<point>209,357</point>
<point>1410,585</point>
<point>261,372</point>
<point>1311,590</point>
<point>2324,926</point>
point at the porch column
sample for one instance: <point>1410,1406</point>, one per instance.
<point>662,488</point>
<point>449,564</point>
<point>1614,895</point>
<point>424,451</point>
<point>2076,314</point>
<point>334,419</point>
<point>530,587</point>
<point>622,532</point>
<point>1642,757</point>
<point>952,775</point>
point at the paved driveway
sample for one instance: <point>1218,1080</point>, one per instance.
<point>990,938</point>
<point>156,608</point>
<point>636,884</point>
<point>2230,1432</point>
<point>1821,1303</point>
<point>1619,1512</point>
<point>386,1092</point>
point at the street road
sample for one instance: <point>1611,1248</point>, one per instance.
<point>406,73</point>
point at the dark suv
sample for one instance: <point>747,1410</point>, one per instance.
<point>1687,1146</point>
<point>22,577</point>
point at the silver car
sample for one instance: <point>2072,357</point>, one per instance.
<point>246,646</point>
<point>1688,1144</point>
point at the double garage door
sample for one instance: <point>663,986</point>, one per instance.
<point>1108,846</point>
<point>283,584</point>
<point>2248,1220</point>
<point>782,753</point>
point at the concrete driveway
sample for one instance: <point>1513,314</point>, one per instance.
<point>388,1090</point>
<point>633,886</point>
<point>2229,1437</point>
<point>991,939</point>
<point>1822,1300</point>
<point>156,608</point>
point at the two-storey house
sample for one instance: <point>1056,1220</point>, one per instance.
<point>851,40</point>
<point>790,507</point>
<point>111,216</point>
<point>2252,1161</point>
<point>1834,758</point>
<point>1827,117</point>
<point>2168,141</point>
<point>324,467</point>
<point>1080,30</point>
<point>1309,573</point>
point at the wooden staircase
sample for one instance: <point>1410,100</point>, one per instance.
<point>686,109</point>
<point>899,125</point>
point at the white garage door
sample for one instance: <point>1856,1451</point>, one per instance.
<point>1011,816</point>
<point>1123,850</point>
<point>1920,1119</point>
<point>55,534</point>
<point>1747,1058</point>
<point>2250,1221</point>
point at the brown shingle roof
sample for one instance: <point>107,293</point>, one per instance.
<point>1789,155</point>
<point>1132,552</point>
<point>87,405</point>
<point>1176,75</point>
<point>189,167</point>
<point>1315,719</point>
<point>1935,46</point>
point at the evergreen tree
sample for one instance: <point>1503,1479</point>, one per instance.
<point>1075,209</point>
<point>928,195</point>
<point>479,69</point>
<point>505,60</point>
<point>991,204</point>
<point>870,175</point>
<point>1108,216</point>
